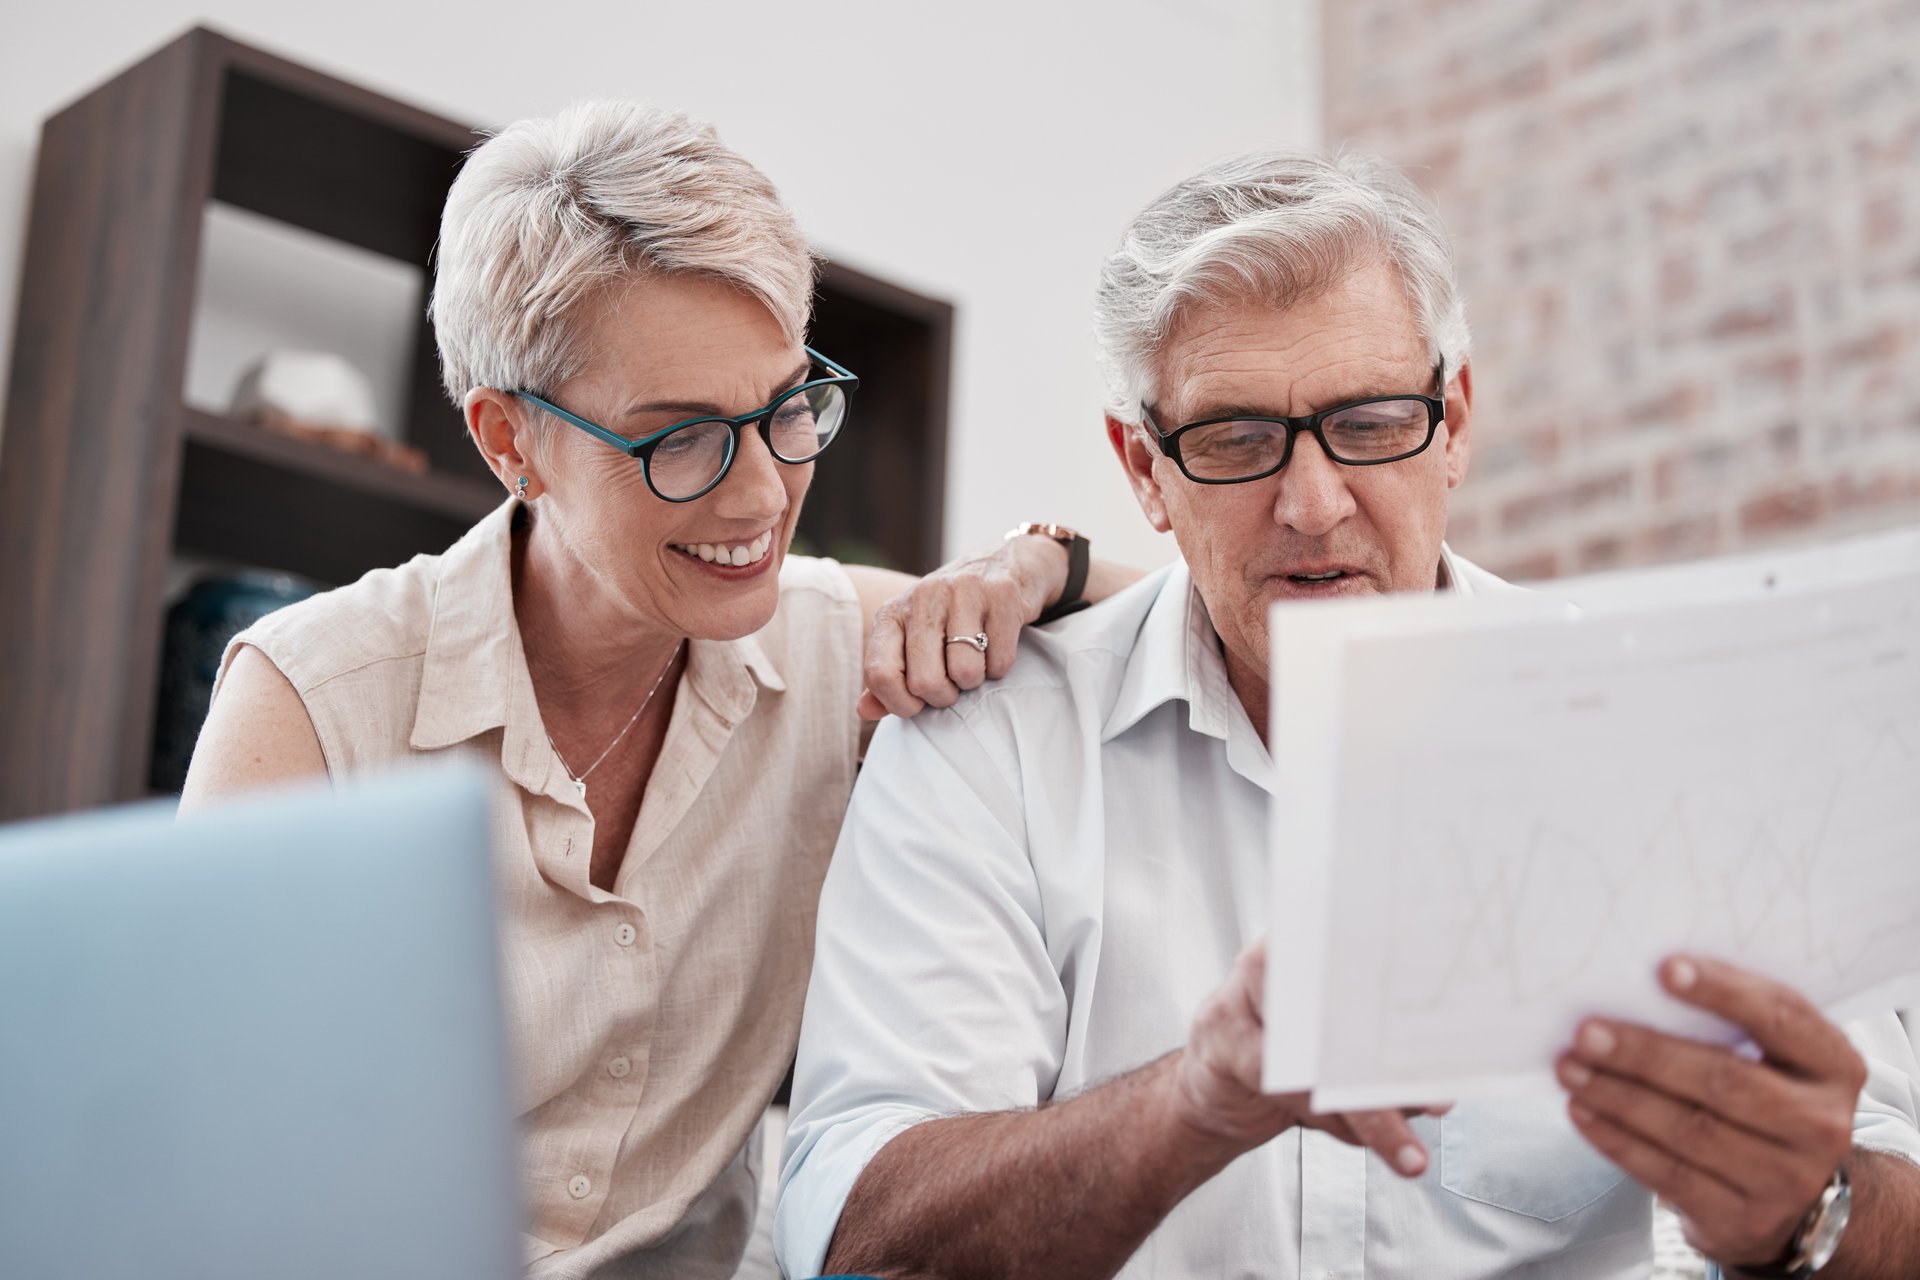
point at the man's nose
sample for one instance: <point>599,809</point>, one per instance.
<point>1313,497</point>
<point>753,489</point>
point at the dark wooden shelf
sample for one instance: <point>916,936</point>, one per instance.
<point>251,496</point>
<point>460,497</point>
<point>106,475</point>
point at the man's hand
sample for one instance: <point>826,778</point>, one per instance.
<point>1069,1189</point>
<point>1216,1080</point>
<point>910,665</point>
<point>1741,1149</point>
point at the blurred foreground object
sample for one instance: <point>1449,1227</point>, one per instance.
<point>265,1041</point>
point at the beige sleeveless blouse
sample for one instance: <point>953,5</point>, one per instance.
<point>651,1025</point>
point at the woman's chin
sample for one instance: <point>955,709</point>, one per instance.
<point>732,619</point>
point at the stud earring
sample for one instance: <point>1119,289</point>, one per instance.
<point>520,490</point>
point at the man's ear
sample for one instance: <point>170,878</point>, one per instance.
<point>1130,445</point>
<point>1459,423</point>
<point>498,429</point>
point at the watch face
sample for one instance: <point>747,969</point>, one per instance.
<point>1825,1238</point>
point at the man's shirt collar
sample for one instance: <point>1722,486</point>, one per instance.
<point>1177,656</point>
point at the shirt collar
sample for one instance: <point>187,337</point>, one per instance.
<point>473,645</point>
<point>1450,577</point>
<point>752,657</point>
<point>1177,656</point>
<point>474,678</point>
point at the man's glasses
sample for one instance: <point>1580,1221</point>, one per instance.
<point>686,460</point>
<point>1359,433</point>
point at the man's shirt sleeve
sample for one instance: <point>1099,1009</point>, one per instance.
<point>1887,1117</point>
<point>933,991</point>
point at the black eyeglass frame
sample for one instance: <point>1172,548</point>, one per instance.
<point>641,450</point>
<point>1169,441</point>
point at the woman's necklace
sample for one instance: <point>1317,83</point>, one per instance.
<point>580,779</point>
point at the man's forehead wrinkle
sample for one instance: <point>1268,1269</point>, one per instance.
<point>1239,363</point>
<point>1357,336</point>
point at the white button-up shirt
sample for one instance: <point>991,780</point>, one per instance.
<point>1036,890</point>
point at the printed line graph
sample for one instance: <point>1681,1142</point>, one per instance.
<point>1764,891</point>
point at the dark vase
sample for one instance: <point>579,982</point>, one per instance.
<point>212,612</point>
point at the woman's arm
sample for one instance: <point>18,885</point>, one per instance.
<point>257,734</point>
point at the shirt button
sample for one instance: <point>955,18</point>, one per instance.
<point>580,1186</point>
<point>618,1068</point>
<point>624,935</point>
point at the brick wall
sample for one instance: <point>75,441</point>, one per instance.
<point>1689,234</point>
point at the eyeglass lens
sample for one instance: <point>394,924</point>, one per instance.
<point>1359,433</point>
<point>799,427</point>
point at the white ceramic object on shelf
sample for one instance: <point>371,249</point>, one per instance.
<point>309,388</point>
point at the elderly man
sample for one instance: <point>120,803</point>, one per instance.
<point>1019,1057</point>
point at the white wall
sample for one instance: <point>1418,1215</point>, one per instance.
<point>986,153</point>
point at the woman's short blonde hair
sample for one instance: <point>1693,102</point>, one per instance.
<point>549,212</point>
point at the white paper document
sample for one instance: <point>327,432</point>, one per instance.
<point>1496,815</point>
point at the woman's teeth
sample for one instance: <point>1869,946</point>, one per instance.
<point>739,554</point>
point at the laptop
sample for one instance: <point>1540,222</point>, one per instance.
<point>263,1043</point>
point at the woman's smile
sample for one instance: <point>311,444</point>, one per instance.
<point>733,560</point>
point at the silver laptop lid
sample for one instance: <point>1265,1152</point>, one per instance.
<point>265,1042</point>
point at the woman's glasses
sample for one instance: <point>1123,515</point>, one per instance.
<point>686,460</point>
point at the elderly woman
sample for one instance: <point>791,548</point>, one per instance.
<point>668,696</point>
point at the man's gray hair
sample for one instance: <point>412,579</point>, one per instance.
<point>550,212</point>
<point>1277,227</point>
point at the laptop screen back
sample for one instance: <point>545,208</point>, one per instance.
<point>261,1042</point>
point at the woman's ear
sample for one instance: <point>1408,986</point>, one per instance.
<point>500,431</point>
<point>1129,441</point>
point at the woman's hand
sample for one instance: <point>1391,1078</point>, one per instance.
<point>910,664</point>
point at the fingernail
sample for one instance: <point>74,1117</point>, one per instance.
<point>1580,1113</point>
<point>1682,974</point>
<point>1411,1159</point>
<point>1575,1074</point>
<point>1597,1040</point>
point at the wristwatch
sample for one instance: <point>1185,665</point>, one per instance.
<point>1079,552</point>
<point>1815,1243</point>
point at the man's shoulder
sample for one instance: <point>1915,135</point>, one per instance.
<point>1050,708</point>
<point>1079,660</point>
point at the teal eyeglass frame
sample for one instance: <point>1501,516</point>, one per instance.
<point>641,450</point>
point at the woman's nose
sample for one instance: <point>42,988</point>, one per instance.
<point>753,487</point>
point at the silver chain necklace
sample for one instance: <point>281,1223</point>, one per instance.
<point>580,779</point>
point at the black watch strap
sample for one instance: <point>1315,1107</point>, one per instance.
<point>1079,558</point>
